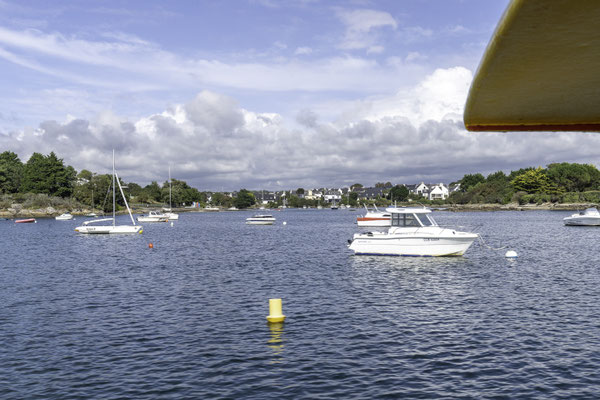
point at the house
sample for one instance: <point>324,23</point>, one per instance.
<point>313,194</point>
<point>438,192</point>
<point>370,193</point>
<point>332,195</point>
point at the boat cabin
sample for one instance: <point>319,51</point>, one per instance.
<point>411,217</point>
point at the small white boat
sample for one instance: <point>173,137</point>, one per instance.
<point>91,215</point>
<point>64,217</point>
<point>89,227</point>
<point>588,217</point>
<point>374,218</point>
<point>153,216</point>
<point>213,209</point>
<point>413,232</point>
<point>261,219</point>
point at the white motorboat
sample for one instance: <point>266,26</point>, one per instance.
<point>64,217</point>
<point>261,219</point>
<point>375,218</point>
<point>91,215</point>
<point>413,232</point>
<point>90,227</point>
<point>153,216</point>
<point>588,217</point>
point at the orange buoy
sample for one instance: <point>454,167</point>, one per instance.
<point>151,245</point>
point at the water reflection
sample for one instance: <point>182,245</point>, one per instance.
<point>275,341</point>
<point>405,262</point>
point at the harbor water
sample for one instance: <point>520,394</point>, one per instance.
<point>90,317</point>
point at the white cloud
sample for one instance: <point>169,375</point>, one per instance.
<point>303,51</point>
<point>362,26</point>
<point>212,142</point>
<point>131,64</point>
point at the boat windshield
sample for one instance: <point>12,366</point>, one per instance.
<point>425,219</point>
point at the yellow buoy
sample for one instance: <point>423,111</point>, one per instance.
<point>275,314</point>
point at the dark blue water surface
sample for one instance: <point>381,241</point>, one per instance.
<point>90,317</point>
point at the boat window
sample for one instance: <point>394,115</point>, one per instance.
<point>424,219</point>
<point>404,220</point>
<point>410,220</point>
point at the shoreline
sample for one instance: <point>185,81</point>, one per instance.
<point>51,212</point>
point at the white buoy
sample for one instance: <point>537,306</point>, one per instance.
<point>285,223</point>
<point>511,254</point>
<point>171,223</point>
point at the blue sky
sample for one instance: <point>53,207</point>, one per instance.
<point>257,93</point>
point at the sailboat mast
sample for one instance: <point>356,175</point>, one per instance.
<point>114,192</point>
<point>170,207</point>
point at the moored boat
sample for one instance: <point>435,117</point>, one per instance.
<point>261,219</point>
<point>64,217</point>
<point>153,216</point>
<point>413,232</point>
<point>374,218</point>
<point>90,227</point>
<point>588,217</point>
<point>25,221</point>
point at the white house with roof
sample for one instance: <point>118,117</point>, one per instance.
<point>438,192</point>
<point>313,194</point>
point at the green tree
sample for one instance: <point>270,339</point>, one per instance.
<point>499,176</point>
<point>153,191</point>
<point>399,193</point>
<point>244,199</point>
<point>574,177</point>
<point>470,180</point>
<point>48,175</point>
<point>534,181</point>
<point>11,172</point>
<point>300,191</point>
<point>356,186</point>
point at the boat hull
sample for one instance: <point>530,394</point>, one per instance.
<point>582,221</point>
<point>260,222</point>
<point>416,246</point>
<point>25,221</point>
<point>108,229</point>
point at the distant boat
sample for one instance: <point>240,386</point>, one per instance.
<point>91,215</point>
<point>153,216</point>
<point>64,217</point>
<point>589,217</point>
<point>207,208</point>
<point>375,218</point>
<point>25,221</point>
<point>261,219</point>
<point>89,227</point>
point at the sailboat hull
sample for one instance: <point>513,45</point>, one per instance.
<point>108,229</point>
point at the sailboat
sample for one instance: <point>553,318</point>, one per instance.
<point>169,213</point>
<point>92,214</point>
<point>91,227</point>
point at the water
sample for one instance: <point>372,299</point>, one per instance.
<point>107,317</point>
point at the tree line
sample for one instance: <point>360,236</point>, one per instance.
<point>558,183</point>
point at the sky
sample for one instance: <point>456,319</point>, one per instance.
<point>258,94</point>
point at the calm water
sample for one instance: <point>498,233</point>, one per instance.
<point>87,317</point>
